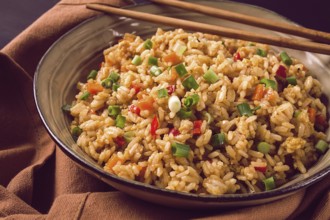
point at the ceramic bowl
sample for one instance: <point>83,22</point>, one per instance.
<point>80,50</point>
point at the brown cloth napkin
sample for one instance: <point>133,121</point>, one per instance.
<point>38,181</point>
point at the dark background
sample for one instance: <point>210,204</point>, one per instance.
<point>16,15</point>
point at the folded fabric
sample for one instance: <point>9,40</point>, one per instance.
<point>38,181</point>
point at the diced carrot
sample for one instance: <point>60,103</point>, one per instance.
<point>146,103</point>
<point>259,92</point>
<point>271,96</point>
<point>174,74</point>
<point>113,161</point>
<point>311,114</point>
<point>172,58</point>
<point>94,88</point>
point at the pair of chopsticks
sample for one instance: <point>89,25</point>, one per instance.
<point>229,32</point>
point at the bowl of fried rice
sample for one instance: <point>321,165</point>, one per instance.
<point>187,119</point>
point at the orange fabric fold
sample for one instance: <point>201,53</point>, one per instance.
<point>38,181</point>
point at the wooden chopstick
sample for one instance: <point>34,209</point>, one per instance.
<point>213,29</point>
<point>250,20</point>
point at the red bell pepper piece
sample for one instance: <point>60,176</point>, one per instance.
<point>154,126</point>
<point>197,127</point>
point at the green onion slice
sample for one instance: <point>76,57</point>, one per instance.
<point>120,121</point>
<point>291,80</point>
<point>210,76</point>
<point>296,114</point>
<point>191,100</point>
<point>207,117</point>
<point>190,83</point>
<point>162,93</point>
<point>261,52</point>
<point>114,110</point>
<point>155,71</point>
<point>263,147</point>
<point>137,60</point>
<point>322,146</point>
<point>181,69</point>
<point>153,61</point>
<point>128,136</point>
<point>148,44</point>
<point>114,76</point>
<point>180,150</point>
<point>244,109</point>
<point>115,87</point>
<point>85,96</point>
<point>76,131</point>
<point>269,183</point>
<point>285,58</point>
<point>218,140</point>
<point>92,74</point>
<point>106,83</point>
<point>185,113</point>
<point>269,83</point>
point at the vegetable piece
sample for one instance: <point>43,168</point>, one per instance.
<point>180,150</point>
<point>66,108</point>
<point>181,69</point>
<point>259,92</point>
<point>94,88</point>
<point>191,100</point>
<point>136,60</point>
<point>153,61</point>
<point>190,83</point>
<point>107,83</point>
<point>244,109</point>
<point>179,48</point>
<point>148,44</point>
<point>92,75</point>
<point>120,121</point>
<point>128,136</point>
<point>321,123</point>
<point>114,76</point>
<point>261,52</point>
<point>170,89</point>
<point>155,71</point>
<point>114,159</point>
<point>207,117</point>
<point>76,131</point>
<point>292,80</point>
<point>322,146</point>
<point>114,110</point>
<point>269,83</point>
<point>185,114</point>
<point>174,104</point>
<point>162,93</point>
<point>120,141</point>
<point>154,126</point>
<point>174,132</point>
<point>296,114</point>
<point>136,87</point>
<point>172,58</point>
<point>115,87</point>
<point>218,140</point>
<point>263,147</point>
<point>134,109</point>
<point>85,96</point>
<point>311,114</point>
<point>146,103</point>
<point>281,72</point>
<point>261,169</point>
<point>237,56</point>
<point>285,58</point>
<point>173,74</point>
<point>197,127</point>
<point>269,183</point>
<point>210,76</point>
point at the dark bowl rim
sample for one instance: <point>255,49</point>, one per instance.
<point>101,174</point>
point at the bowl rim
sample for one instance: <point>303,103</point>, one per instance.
<point>101,174</point>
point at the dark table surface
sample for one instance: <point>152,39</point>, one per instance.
<point>19,14</point>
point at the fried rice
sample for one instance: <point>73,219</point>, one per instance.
<point>199,113</point>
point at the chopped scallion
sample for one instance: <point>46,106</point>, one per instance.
<point>114,110</point>
<point>296,114</point>
<point>137,60</point>
<point>191,100</point>
<point>285,58</point>
<point>92,74</point>
<point>76,131</point>
<point>269,83</point>
<point>207,117</point>
<point>162,93</point>
<point>244,109</point>
<point>291,80</point>
<point>218,140</point>
<point>269,183</point>
<point>106,83</point>
<point>114,76</point>
<point>155,71</point>
<point>261,52</point>
<point>181,69</point>
<point>120,121</point>
<point>85,96</point>
<point>128,136</point>
<point>210,76</point>
<point>153,61</point>
<point>148,44</point>
<point>180,150</point>
<point>263,147</point>
<point>115,87</point>
<point>322,146</point>
<point>185,114</point>
<point>190,83</point>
